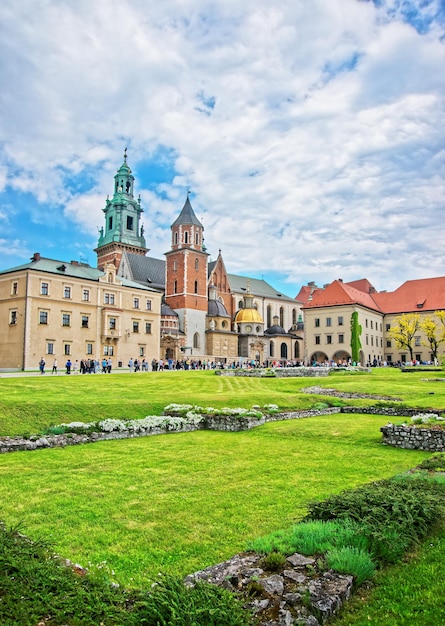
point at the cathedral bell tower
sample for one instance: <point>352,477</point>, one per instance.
<point>122,221</point>
<point>186,278</point>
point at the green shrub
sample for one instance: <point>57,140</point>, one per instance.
<point>55,430</point>
<point>171,602</point>
<point>273,561</point>
<point>434,463</point>
<point>350,560</point>
<point>390,512</point>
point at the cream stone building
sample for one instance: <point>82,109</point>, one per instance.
<point>328,313</point>
<point>59,310</point>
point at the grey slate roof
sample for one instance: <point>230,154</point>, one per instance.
<point>258,287</point>
<point>75,270</point>
<point>147,270</point>
<point>187,216</point>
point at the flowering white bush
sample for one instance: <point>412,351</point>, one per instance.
<point>178,408</point>
<point>271,408</point>
<point>79,425</point>
<point>109,425</point>
<point>424,418</point>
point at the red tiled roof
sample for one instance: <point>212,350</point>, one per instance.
<point>338,293</point>
<point>414,296</point>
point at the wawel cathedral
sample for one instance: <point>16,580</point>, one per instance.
<point>133,306</point>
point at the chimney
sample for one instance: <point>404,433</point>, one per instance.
<point>35,257</point>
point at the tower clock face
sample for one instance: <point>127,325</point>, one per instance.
<point>248,328</point>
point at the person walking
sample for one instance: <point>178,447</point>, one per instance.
<point>42,365</point>
<point>54,370</point>
<point>68,366</point>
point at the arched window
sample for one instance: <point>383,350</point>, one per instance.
<point>272,348</point>
<point>240,304</point>
<point>186,237</point>
<point>196,264</point>
<point>175,265</point>
<point>284,351</point>
<point>197,239</point>
<point>281,316</point>
<point>297,350</point>
<point>196,286</point>
<point>294,316</point>
<point>196,340</point>
<point>269,316</point>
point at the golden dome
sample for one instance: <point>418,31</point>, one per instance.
<point>248,315</point>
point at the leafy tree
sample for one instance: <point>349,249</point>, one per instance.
<point>403,333</point>
<point>434,331</point>
<point>356,331</point>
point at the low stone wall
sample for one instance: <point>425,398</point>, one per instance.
<point>414,438</point>
<point>285,372</point>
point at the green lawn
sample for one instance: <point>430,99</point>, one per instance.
<point>177,503</point>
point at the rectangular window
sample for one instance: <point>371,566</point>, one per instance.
<point>388,326</point>
<point>85,320</point>
<point>110,223</point>
<point>328,338</point>
<point>148,307</point>
<point>44,289</point>
<point>341,339</point>
<point>129,222</point>
<point>389,358</point>
<point>109,298</point>
<point>317,340</point>
<point>13,317</point>
<point>67,292</point>
<point>317,322</point>
<point>135,303</point>
<point>328,321</point>
<point>372,340</point>
<point>403,358</point>
<point>388,343</point>
<point>148,328</point>
<point>67,349</point>
<point>340,320</point>
<point>135,327</point>
<point>15,288</point>
<point>86,295</point>
<point>367,340</point>
<point>141,351</point>
<point>50,347</point>
<point>372,324</point>
<point>112,323</point>
<point>66,319</point>
<point>89,348</point>
<point>417,357</point>
<point>417,341</point>
<point>43,317</point>
<point>108,350</point>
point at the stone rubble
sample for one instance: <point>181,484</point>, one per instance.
<point>302,593</point>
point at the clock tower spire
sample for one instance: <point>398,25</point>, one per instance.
<point>122,221</point>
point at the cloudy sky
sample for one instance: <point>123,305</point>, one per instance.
<point>309,132</point>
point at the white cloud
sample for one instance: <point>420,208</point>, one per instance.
<point>310,134</point>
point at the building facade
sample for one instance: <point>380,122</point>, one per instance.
<point>59,310</point>
<point>331,312</point>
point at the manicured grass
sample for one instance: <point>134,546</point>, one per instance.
<point>29,405</point>
<point>179,502</point>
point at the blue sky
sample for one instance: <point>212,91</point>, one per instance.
<point>310,134</point>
